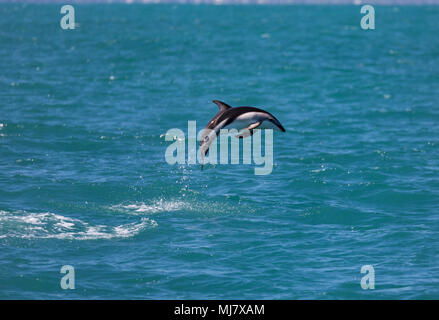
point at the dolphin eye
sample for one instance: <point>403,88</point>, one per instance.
<point>206,138</point>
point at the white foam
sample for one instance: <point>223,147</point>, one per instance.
<point>45,225</point>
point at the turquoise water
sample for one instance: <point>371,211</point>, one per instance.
<point>84,181</point>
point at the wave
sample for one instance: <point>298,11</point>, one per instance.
<point>47,225</point>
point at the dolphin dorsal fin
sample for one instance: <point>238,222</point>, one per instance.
<point>221,105</point>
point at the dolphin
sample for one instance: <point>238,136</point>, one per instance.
<point>244,119</point>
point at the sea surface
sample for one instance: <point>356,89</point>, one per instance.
<point>84,181</point>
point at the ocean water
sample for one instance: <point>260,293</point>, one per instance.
<point>84,181</point>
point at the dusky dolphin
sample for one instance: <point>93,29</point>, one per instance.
<point>240,118</point>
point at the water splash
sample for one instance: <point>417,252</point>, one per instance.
<point>187,203</point>
<point>153,207</point>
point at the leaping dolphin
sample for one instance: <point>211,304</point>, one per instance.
<point>241,118</point>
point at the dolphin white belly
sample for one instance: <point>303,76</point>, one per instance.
<point>245,120</point>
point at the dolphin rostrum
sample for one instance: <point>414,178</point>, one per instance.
<point>244,119</point>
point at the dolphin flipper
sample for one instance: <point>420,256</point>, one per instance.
<point>248,131</point>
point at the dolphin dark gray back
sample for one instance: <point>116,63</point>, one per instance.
<point>223,107</point>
